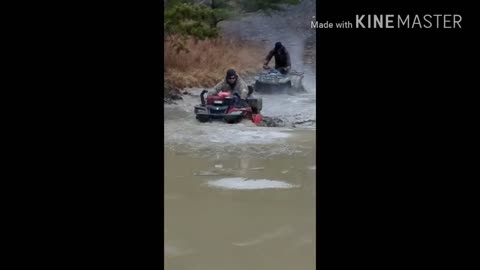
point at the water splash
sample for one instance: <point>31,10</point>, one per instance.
<point>240,183</point>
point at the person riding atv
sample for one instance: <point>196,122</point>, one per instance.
<point>282,58</point>
<point>232,84</point>
<point>230,100</point>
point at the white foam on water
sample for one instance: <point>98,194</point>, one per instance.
<point>185,134</point>
<point>241,183</point>
<point>194,133</point>
<point>236,136</point>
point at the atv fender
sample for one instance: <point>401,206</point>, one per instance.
<point>255,103</point>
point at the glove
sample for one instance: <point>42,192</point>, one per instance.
<point>287,68</point>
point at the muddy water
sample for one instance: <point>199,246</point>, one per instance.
<point>239,196</point>
<point>242,210</point>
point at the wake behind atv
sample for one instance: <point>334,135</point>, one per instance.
<point>272,81</point>
<point>229,108</point>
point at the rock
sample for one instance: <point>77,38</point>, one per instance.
<point>305,121</point>
<point>168,101</point>
<point>274,122</point>
<point>175,94</point>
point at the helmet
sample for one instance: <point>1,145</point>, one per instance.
<point>278,46</point>
<point>231,73</point>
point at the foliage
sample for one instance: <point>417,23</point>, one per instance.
<point>198,19</point>
<point>184,20</point>
<point>222,10</point>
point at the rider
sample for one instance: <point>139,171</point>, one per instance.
<point>282,58</point>
<point>232,83</point>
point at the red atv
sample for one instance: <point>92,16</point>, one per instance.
<point>229,108</point>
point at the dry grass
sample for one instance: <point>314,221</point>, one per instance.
<point>207,61</point>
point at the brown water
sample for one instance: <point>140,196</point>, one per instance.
<point>242,210</point>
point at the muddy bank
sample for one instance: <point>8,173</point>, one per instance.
<point>171,94</point>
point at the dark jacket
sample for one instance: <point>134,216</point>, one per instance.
<point>282,58</point>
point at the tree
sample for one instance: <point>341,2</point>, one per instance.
<point>182,20</point>
<point>222,10</point>
<point>198,19</point>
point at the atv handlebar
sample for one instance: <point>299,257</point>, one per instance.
<point>236,97</point>
<point>202,98</point>
<point>289,71</point>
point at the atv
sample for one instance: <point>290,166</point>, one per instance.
<point>273,81</point>
<point>229,108</point>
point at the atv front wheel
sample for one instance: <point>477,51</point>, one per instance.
<point>285,87</point>
<point>203,118</point>
<point>262,87</point>
<point>232,121</point>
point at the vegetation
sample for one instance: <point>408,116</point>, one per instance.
<point>195,55</point>
<point>186,21</point>
<point>198,20</point>
<point>208,60</point>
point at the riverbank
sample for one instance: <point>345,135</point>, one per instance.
<point>206,62</point>
<point>244,43</point>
